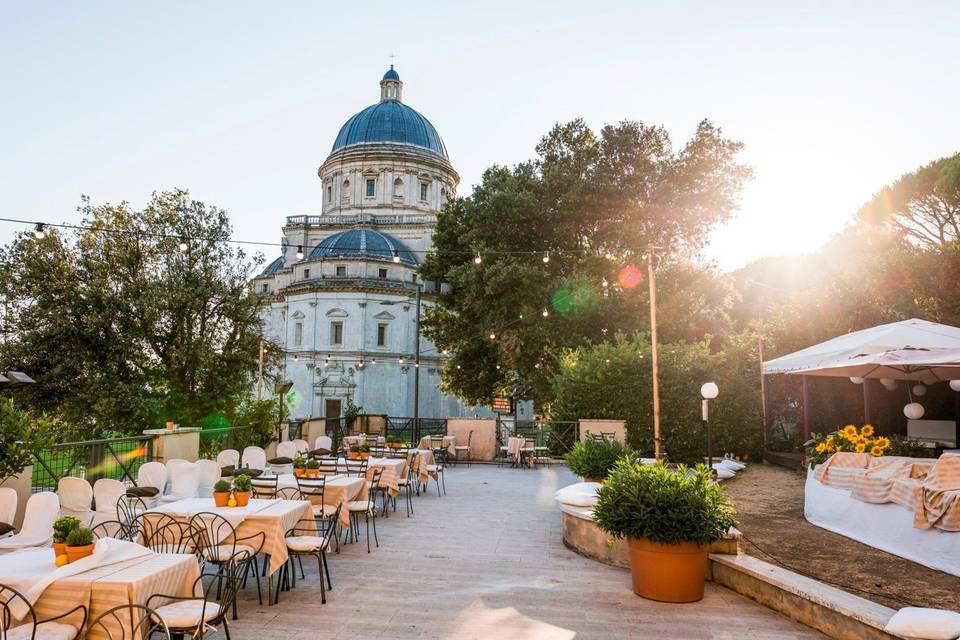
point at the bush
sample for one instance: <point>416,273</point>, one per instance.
<point>62,527</point>
<point>594,458</point>
<point>79,537</point>
<point>661,505</point>
<point>242,483</point>
<point>222,486</point>
<point>20,436</point>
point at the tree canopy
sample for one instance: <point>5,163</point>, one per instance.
<point>123,331</point>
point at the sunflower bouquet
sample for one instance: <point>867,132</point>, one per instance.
<point>849,438</point>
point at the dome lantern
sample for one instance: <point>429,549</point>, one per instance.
<point>391,87</point>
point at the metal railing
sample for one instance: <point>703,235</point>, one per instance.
<point>118,458</point>
<point>557,436</point>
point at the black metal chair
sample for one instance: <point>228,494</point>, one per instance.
<point>312,490</point>
<point>288,493</point>
<point>328,466</point>
<point>357,468</point>
<point>128,622</point>
<point>195,615</point>
<point>302,540</point>
<point>216,542</point>
<point>162,533</point>
<point>436,470</point>
<point>464,450</point>
<point>368,508</point>
<point>264,487</point>
<point>528,453</point>
<point>129,510</point>
<point>32,628</point>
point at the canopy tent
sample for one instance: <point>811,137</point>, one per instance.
<point>911,363</point>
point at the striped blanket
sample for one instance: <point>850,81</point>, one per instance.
<point>879,482</point>
<point>938,498</point>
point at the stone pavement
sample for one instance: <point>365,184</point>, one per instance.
<point>487,561</point>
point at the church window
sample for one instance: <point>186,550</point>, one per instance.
<point>298,334</point>
<point>345,193</point>
<point>381,335</point>
<point>398,188</point>
<point>383,274</point>
<point>423,190</point>
<point>413,277</point>
<point>336,333</point>
<point>329,194</point>
<point>266,287</point>
<point>341,269</point>
<point>371,187</point>
<point>306,274</point>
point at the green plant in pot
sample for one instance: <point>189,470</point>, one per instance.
<point>79,544</point>
<point>593,459</point>
<point>299,465</point>
<point>313,467</point>
<point>241,489</point>
<point>62,527</point>
<point>221,493</point>
<point>669,518</point>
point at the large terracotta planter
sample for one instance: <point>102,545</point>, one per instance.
<point>78,553</point>
<point>667,572</point>
<point>220,498</point>
<point>313,473</point>
<point>59,548</point>
<point>589,479</point>
<point>299,472</point>
<point>242,498</point>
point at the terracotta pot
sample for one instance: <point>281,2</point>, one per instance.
<point>363,455</point>
<point>78,553</point>
<point>667,572</point>
<point>589,479</point>
<point>354,455</point>
<point>59,548</point>
<point>242,498</point>
<point>299,472</point>
<point>313,473</point>
<point>220,498</point>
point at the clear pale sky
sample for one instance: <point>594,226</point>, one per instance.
<point>240,102</point>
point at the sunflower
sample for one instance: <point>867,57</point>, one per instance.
<point>830,441</point>
<point>867,430</point>
<point>883,442</point>
<point>876,452</point>
<point>849,431</point>
<point>860,448</point>
<point>822,447</point>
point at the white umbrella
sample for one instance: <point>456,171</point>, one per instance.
<point>910,363</point>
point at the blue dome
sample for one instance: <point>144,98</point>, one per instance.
<point>273,267</point>
<point>363,243</point>
<point>391,74</point>
<point>390,121</point>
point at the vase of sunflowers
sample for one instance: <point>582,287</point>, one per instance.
<point>849,438</point>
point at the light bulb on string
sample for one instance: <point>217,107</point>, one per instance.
<point>296,358</point>
<point>39,232</point>
<point>458,366</point>
<point>374,361</point>
<point>183,246</point>
<point>400,360</point>
<point>498,367</point>
<point>360,364</point>
<point>478,259</point>
<point>604,284</point>
<point>416,365</point>
<point>545,312</point>
<point>493,336</point>
<point>299,252</point>
<point>396,257</point>
<point>546,257</point>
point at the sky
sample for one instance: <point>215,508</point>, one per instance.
<point>240,102</point>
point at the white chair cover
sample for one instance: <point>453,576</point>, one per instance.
<point>8,505</point>
<point>286,450</point>
<point>76,497</point>
<point>184,483</point>
<point>106,493</point>
<point>152,474</point>
<point>301,445</point>
<point>228,458</point>
<point>323,442</point>
<point>37,530</point>
<point>209,472</point>
<point>254,457</point>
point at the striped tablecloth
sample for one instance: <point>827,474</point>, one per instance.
<point>393,470</point>
<point>420,461</point>
<point>514,447</point>
<point>449,443</point>
<point>339,489</point>
<point>100,589</point>
<point>273,517</point>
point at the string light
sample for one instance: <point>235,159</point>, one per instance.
<point>416,364</point>
<point>183,246</point>
<point>445,352</point>
<point>396,257</point>
<point>360,364</point>
<point>458,366</point>
<point>604,284</point>
<point>493,336</point>
<point>299,252</point>
<point>536,366</point>
<point>296,358</point>
<point>545,312</point>
<point>498,367</point>
<point>400,360</point>
<point>374,361</point>
<point>38,231</point>
<point>478,259</point>
<point>546,257</point>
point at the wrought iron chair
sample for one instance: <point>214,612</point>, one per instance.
<point>217,543</point>
<point>162,533</point>
<point>357,468</point>
<point>302,540</point>
<point>464,450</point>
<point>368,509</point>
<point>264,487</point>
<point>288,493</point>
<point>195,615</point>
<point>32,628</point>
<point>328,466</point>
<point>129,510</point>
<point>528,453</point>
<point>128,622</point>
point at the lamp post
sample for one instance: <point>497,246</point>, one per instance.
<point>709,391</point>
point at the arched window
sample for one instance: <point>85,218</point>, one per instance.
<point>345,194</point>
<point>398,188</point>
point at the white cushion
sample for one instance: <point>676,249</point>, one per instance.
<point>723,473</point>
<point>733,465</point>
<point>323,510</point>
<point>932,624</point>
<point>186,613</point>
<point>223,552</point>
<point>45,631</point>
<point>462,447</point>
<point>360,505</point>
<point>582,494</point>
<point>306,543</point>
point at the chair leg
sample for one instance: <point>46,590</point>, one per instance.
<point>375,538</point>
<point>252,565</point>
<point>300,562</point>
<point>323,586</point>
<point>367,518</point>
<point>326,569</point>
<point>226,629</point>
<point>443,479</point>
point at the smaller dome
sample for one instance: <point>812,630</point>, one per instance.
<point>273,267</point>
<point>391,74</point>
<point>362,243</point>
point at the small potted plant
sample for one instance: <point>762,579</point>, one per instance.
<point>221,493</point>
<point>364,451</point>
<point>299,466</point>
<point>355,452</point>
<point>79,544</point>
<point>393,442</point>
<point>62,527</point>
<point>669,519</point>
<point>313,468</point>
<point>593,459</point>
<point>241,489</point>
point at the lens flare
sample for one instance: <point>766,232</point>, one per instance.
<point>630,277</point>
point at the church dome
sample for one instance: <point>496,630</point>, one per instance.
<point>390,121</point>
<point>363,243</point>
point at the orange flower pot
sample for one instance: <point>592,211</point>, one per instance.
<point>588,479</point>
<point>78,553</point>
<point>667,572</point>
<point>242,498</point>
<point>59,548</point>
<point>364,455</point>
<point>220,498</point>
<point>299,472</point>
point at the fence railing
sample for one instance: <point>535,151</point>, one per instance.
<point>118,458</point>
<point>557,436</point>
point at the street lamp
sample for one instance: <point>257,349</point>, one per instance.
<point>709,391</point>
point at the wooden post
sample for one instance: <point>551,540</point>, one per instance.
<point>807,419</point>
<point>653,356</point>
<point>867,409</point>
<point>763,395</point>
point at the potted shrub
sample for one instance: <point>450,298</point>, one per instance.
<point>363,451</point>
<point>241,489</point>
<point>593,459</point>
<point>394,442</point>
<point>62,527</point>
<point>669,519</point>
<point>299,466</point>
<point>355,452</point>
<point>79,544</point>
<point>221,493</point>
<point>313,468</point>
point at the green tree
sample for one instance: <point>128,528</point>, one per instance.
<point>593,203</point>
<point>123,331</point>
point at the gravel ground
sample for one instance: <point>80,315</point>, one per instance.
<point>769,503</point>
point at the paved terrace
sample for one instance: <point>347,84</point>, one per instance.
<point>487,561</point>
